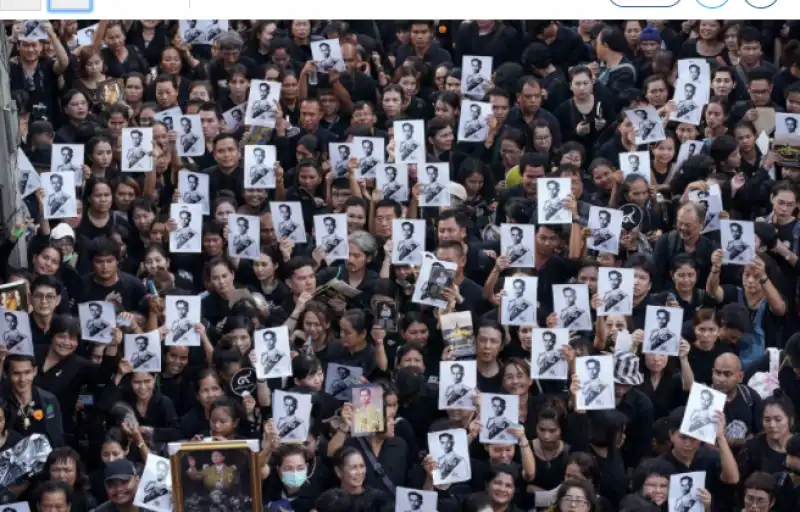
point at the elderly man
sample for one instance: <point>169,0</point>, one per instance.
<point>686,238</point>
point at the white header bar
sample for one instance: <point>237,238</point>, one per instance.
<point>356,9</point>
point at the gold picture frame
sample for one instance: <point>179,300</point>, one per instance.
<point>206,475</point>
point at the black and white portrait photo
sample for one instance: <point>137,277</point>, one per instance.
<point>340,154</point>
<point>287,219</point>
<point>370,152</point>
<point>647,124</point>
<point>518,305</point>
<point>450,450</point>
<point>698,73</point>
<point>244,237</point>
<point>143,351</point>
<point>188,237</point>
<point>259,166</point>
<point>551,193</point>
<point>547,358</point>
<point>458,381</point>
<point>262,104</point>
<point>662,330</point>
<point>31,30</point>
<point>193,188</point>
<point>85,36</point>
<point>273,353</point>
<point>68,159</point>
<point>340,378</point>
<point>476,75</point>
<point>738,242</point>
<point>182,316</point>
<point>435,276</point>
<point>571,304</point>
<point>29,179</point>
<point>711,201</point>
<point>683,495</point>
<point>59,195</point>
<point>408,237</point>
<point>234,118</point>
<point>415,500</point>
<point>169,117</point>
<point>19,506</point>
<point>596,376</point>
<point>517,244</point>
<point>155,485</point>
<point>635,162</point>
<point>137,149</point>
<point>291,413</point>
<point>328,55</point>
<point>98,320</point>
<point>615,287</point>
<point>473,124</point>
<point>499,413</point>
<point>786,132</point>
<point>386,315</point>
<point>687,150</point>
<point>201,32</point>
<point>605,225</point>
<point>409,137</point>
<point>17,337</point>
<point>699,419</point>
<point>330,234</point>
<point>190,141</point>
<point>392,181</point>
<point>434,180</point>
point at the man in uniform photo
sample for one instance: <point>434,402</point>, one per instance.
<point>457,391</point>
<point>407,246</point>
<point>264,107</point>
<point>551,362</point>
<point>143,356</point>
<point>407,145</point>
<point>450,463</point>
<point>58,202</point>
<point>136,155</point>
<point>517,253</point>
<point>572,317</point>
<point>272,356</point>
<point>287,227</point>
<point>662,339</point>
<point>520,310</point>
<point>367,163</point>
<point>185,233</point>
<point>475,129</point>
<point>498,424</point>
<point>553,205</point>
<point>615,300</point>
<point>182,326</point>
<point>244,246</point>
<point>96,326</point>
<point>13,338</point>
<point>288,425</point>
<point>188,139</point>
<point>331,242</point>
<point>433,188</point>
<point>259,170</point>
<point>192,196</point>
<point>596,392</point>
<point>738,249</point>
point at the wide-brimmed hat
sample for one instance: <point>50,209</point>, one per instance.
<point>626,369</point>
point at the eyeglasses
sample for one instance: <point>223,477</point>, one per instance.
<point>755,500</point>
<point>573,500</point>
<point>50,297</point>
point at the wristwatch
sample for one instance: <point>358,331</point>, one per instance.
<point>762,282</point>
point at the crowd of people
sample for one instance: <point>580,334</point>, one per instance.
<point>559,93</point>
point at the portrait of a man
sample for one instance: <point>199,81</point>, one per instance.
<point>663,339</point>
<point>264,108</point>
<point>407,246</point>
<point>553,205</point>
<point>407,145</point>
<point>602,236</point>
<point>520,310</point>
<point>616,300</point>
<point>474,80</point>
<point>59,201</point>
<point>517,252</point>
<point>451,465</point>
<point>738,249</point>
<point>457,391</point>
<point>13,337</point>
<point>571,315</point>
<point>498,423</point>
<point>188,138</point>
<point>433,189</point>
<point>551,362</point>
<point>475,129</point>
<point>185,232</point>
<point>143,358</point>
<point>289,424</point>
<point>182,326</point>
<point>192,196</point>
<point>368,412</point>
<point>136,154</point>
<point>287,228</point>
<point>595,392</point>
<point>331,242</point>
<point>272,355</point>
<point>96,326</point>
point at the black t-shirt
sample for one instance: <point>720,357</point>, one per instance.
<point>133,63</point>
<point>743,414</point>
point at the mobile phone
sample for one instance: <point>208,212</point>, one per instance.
<point>151,287</point>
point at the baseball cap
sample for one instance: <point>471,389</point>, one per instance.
<point>458,191</point>
<point>119,470</point>
<point>63,230</point>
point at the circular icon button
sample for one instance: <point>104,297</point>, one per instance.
<point>712,4</point>
<point>761,4</point>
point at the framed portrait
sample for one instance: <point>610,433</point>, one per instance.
<point>110,93</point>
<point>219,475</point>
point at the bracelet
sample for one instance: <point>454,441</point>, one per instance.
<point>525,445</point>
<point>762,282</point>
<point>141,445</point>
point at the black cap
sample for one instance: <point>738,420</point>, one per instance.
<point>121,469</point>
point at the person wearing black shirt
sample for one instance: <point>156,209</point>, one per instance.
<point>107,282</point>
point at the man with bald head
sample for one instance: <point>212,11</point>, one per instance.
<point>359,84</point>
<point>685,238</point>
<point>742,404</point>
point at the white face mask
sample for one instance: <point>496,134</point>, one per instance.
<point>294,479</point>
